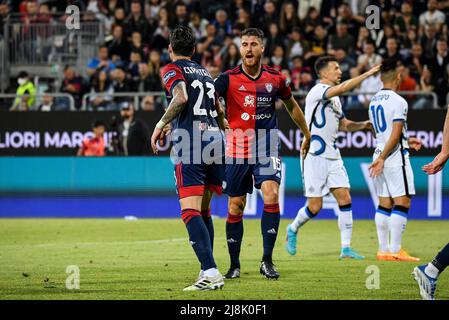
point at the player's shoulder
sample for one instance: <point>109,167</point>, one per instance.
<point>234,71</point>
<point>397,97</point>
<point>271,70</point>
<point>318,90</point>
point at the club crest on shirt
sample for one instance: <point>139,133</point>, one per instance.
<point>269,87</point>
<point>249,101</point>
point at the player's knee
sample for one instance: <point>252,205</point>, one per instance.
<point>236,207</point>
<point>315,207</point>
<point>271,196</point>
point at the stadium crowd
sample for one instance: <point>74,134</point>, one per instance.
<point>415,32</point>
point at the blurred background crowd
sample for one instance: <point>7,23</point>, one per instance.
<point>134,40</point>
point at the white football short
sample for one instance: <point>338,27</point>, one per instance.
<point>395,182</point>
<point>321,174</point>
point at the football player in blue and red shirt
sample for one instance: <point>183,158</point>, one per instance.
<point>194,115</point>
<point>250,92</point>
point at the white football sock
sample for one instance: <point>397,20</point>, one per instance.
<point>383,229</point>
<point>212,272</point>
<point>397,228</point>
<point>345,225</point>
<point>302,217</point>
<point>431,270</point>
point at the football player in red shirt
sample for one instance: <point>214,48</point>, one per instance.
<point>250,92</point>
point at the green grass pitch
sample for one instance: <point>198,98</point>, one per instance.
<point>152,259</point>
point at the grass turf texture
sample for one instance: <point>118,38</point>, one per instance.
<point>152,259</point>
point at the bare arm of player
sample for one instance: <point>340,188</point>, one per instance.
<point>377,166</point>
<point>351,126</point>
<point>350,84</point>
<point>297,116</point>
<point>177,104</point>
<point>222,121</point>
<point>440,160</point>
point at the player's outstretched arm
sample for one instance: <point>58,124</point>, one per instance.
<point>177,104</point>
<point>377,166</point>
<point>440,160</point>
<point>297,116</point>
<point>351,126</point>
<point>350,84</point>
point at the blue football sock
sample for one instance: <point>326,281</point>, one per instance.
<point>269,227</point>
<point>234,235</point>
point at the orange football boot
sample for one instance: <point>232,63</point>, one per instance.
<point>402,255</point>
<point>384,256</point>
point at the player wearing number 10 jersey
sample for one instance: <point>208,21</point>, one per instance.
<point>391,169</point>
<point>195,118</point>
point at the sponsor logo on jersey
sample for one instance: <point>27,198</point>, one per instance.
<point>249,102</point>
<point>245,116</point>
<point>269,87</point>
<point>169,75</point>
<point>261,116</point>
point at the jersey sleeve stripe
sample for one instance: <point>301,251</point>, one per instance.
<point>398,120</point>
<point>324,94</point>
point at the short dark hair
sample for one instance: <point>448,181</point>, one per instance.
<point>182,41</point>
<point>388,65</point>
<point>98,123</point>
<point>322,63</point>
<point>253,32</point>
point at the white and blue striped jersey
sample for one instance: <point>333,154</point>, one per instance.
<point>323,118</point>
<point>386,108</point>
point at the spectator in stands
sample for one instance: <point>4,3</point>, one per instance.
<point>137,22</point>
<point>407,82</point>
<point>198,25</point>
<point>440,61</point>
<point>416,62</point>
<point>119,16</point>
<point>118,46</point>
<point>95,146</point>
<point>137,44</point>
<point>4,16</point>
<point>346,64</point>
<point>182,15</point>
<point>353,21</point>
<point>406,20</point>
<point>48,102</point>
<point>133,69</point>
<point>151,9</point>
<point>289,18</point>
<point>369,58</point>
<point>102,61</point>
<point>101,92</point>
<point>278,59</point>
<point>426,85</point>
<point>25,93</point>
<point>231,57</point>
<point>121,85</point>
<point>429,41</point>
<point>318,45</point>
<point>295,44</point>
<point>210,39</point>
<point>222,25</point>
<point>432,16</point>
<point>342,40</point>
<point>270,15</point>
<point>134,133</point>
<point>162,31</point>
<point>273,39</point>
<point>244,18</point>
<point>73,84</point>
<point>392,50</point>
<point>371,85</point>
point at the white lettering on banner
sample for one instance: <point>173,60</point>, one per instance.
<point>251,199</point>
<point>428,138</point>
<point>17,140</point>
<point>435,195</point>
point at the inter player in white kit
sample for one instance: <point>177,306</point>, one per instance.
<point>391,169</point>
<point>323,169</point>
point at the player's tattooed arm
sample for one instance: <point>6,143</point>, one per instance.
<point>351,126</point>
<point>377,166</point>
<point>176,106</point>
<point>350,84</point>
<point>297,116</point>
